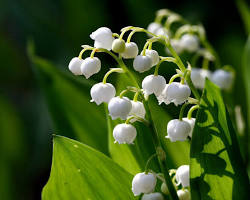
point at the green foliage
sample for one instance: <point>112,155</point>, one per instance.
<point>68,100</point>
<point>217,169</point>
<point>12,148</point>
<point>80,172</point>
<point>246,80</point>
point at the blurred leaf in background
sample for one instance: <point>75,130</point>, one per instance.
<point>13,149</point>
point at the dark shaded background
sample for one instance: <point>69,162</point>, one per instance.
<point>58,28</point>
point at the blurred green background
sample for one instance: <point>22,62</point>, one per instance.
<point>58,28</point>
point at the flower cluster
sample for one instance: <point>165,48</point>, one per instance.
<point>187,38</point>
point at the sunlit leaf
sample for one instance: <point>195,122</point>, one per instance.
<point>217,170</point>
<point>80,172</point>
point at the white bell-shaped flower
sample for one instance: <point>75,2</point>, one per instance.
<point>75,66</point>
<point>143,183</point>
<point>153,55</point>
<point>190,42</point>
<point>178,130</point>
<point>137,110</point>
<point>118,46</point>
<point>198,77</point>
<point>153,196</point>
<point>163,96</point>
<point>191,123</point>
<point>177,93</point>
<point>124,133</point>
<point>131,50</point>
<point>103,38</point>
<point>222,78</point>
<point>162,31</point>
<point>102,92</point>
<point>184,194</point>
<point>176,44</point>
<point>182,176</point>
<point>153,27</point>
<point>90,66</point>
<point>119,107</point>
<point>152,84</point>
<point>142,63</point>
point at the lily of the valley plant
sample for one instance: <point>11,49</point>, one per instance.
<point>181,90</point>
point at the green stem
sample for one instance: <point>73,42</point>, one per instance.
<point>159,150</point>
<point>136,96</point>
<point>93,53</point>
<point>148,162</point>
<point>183,68</point>
<point>182,111</point>
<point>174,77</point>
<point>130,35</point>
<point>161,155</point>
<point>205,63</point>
<point>163,59</point>
<point>192,109</point>
<point>144,48</point>
<point>118,70</point>
<point>123,92</point>
<point>83,50</point>
<point>128,119</point>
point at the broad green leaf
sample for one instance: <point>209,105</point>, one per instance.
<point>80,172</point>
<point>68,100</point>
<point>217,170</point>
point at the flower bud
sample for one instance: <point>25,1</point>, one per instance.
<point>164,188</point>
<point>153,84</point>
<point>103,38</point>
<point>131,50</point>
<point>90,66</point>
<point>143,183</point>
<point>119,107</point>
<point>198,77</point>
<point>223,79</point>
<point>178,130</point>
<point>124,133</point>
<point>137,110</point>
<point>153,196</point>
<point>191,122</point>
<point>189,42</point>
<point>152,27</point>
<point>142,63</point>
<point>102,92</point>
<point>75,66</point>
<point>153,55</point>
<point>118,46</point>
<point>183,194</point>
<point>177,93</point>
<point>182,175</point>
